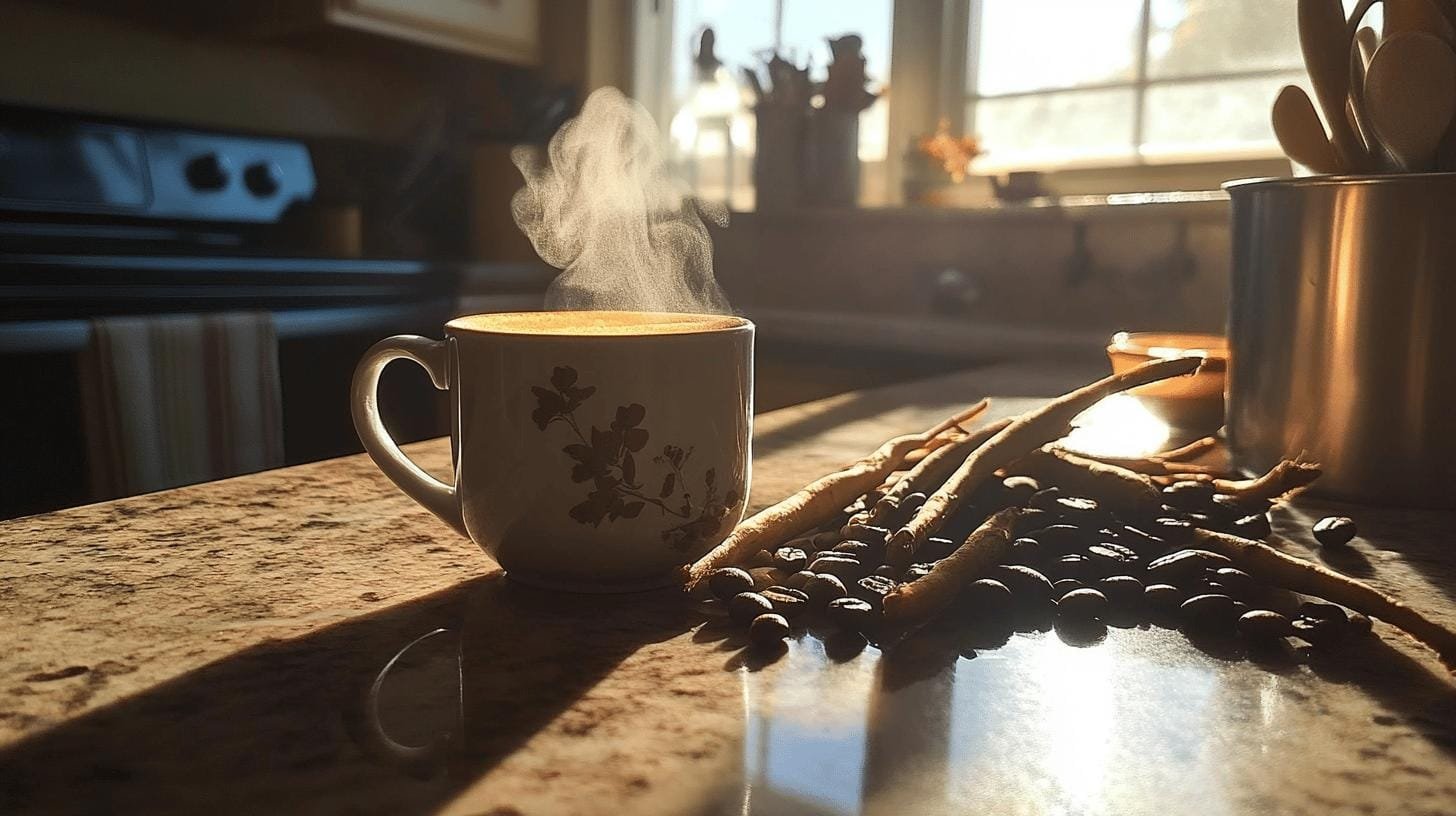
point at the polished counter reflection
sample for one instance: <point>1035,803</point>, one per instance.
<point>518,700</point>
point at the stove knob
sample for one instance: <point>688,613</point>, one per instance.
<point>261,179</point>
<point>207,172</point>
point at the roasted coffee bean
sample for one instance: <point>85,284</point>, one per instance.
<point>873,589</point>
<point>1320,632</point>
<point>1031,519</point>
<point>937,547</point>
<point>1062,586</point>
<point>764,577</point>
<point>1334,531</point>
<point>1182,565</point>
<point>844,567</point>
<point>1045,500</point>
<point>805,543</point>
<point>988,596</point>
<point>1102,559</point>
<point>1262,624</point>
<point>1123,590</point>
<point>826,541</point>
<point>1139,541</point>
<point>1227,508</point>
<point>1202,521</point>
<point>1188,495</point>
<point>1024,551</point>
<point>798,579</point>
<point>1078,510</point>
<point>1163,597</point>
<point>1061,539</point>
<point>768,629</point>
<point>850,614</point>
<point>1070,566</point>
<point>1174,531</point>
<point>1128,554</point>
<point>1359,624</point>
<point>762,558</point>
<point>1026,583</point>
<point>729,581</point>
<point>911,502</point>
<point>1321,611</point>
<point>1020,489</point>
<point>823,588</point>
<point>745,606</point>
<point>1209,611</point>
<point>864,532</point>
<point>856,549</point>
<point>1256,526</point>
<point>787,601</point>
<point>887,571</point>
<point>790,559</point>
<point>1082,604</point>
<point>1239,583</point>
<point>918,570</point>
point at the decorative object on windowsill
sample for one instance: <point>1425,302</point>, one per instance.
<point>936,169</point>
<point>808,133</point>
<point>1018,186</point>
<point>832,149</point>
<point>781,109</point>
<point>1390,102</point>
<point>714,109</point>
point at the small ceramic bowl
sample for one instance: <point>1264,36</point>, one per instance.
<point>1192,403</point>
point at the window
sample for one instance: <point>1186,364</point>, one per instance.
<point>710,120</point>
<point>1116,82</point>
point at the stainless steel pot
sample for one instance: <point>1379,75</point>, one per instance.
<point>1342,332</point>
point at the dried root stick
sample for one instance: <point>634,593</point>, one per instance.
<point>1022,436</point>
<point>819,500</point>
<point>1190,451</point>
<point>1118,489</point>
<point>1272,566</point>
<point>1164,470</point>
<point>931,471</point>
<point>920,600</point>
<point>1282,480</point>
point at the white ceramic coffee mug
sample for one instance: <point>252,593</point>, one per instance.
<point>593,451</point>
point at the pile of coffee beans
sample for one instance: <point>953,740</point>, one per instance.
<point>1071,561</point>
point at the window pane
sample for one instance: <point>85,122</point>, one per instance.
<point>1055,128</point>
<point>1200,37</point>
<point>1230,115</point>
<point>1027,45</point>
<point>741,29</point>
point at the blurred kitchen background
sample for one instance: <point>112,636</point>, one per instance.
<point>208,211</point>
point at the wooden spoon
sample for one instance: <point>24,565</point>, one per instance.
<point>1325,42</point>
<point>1416,15</point>
<point>1410,93</point>
<point>1298,128</point>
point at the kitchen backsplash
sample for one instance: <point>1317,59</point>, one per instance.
<point>1153,263</point>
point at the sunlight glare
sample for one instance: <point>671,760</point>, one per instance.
<point>1119,425</point>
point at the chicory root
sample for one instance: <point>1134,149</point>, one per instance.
<point>931,471</point>
<point>818,501</point>
<point>1025,434</point>
<point>1118,489</point>
<point>913,603</point>
<point>1298,575</point>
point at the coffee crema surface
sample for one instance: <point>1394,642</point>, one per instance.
<point>588,323</point>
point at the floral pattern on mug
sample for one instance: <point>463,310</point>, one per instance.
<point>608,459</point>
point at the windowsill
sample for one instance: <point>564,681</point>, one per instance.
<point>1211,204</point>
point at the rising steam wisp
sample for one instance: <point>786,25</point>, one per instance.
<point>605,209</point>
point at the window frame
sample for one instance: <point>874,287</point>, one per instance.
<point>969,14</point>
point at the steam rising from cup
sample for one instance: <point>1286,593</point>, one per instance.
<point>605,209</point>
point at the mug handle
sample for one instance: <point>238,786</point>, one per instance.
<point>433,494</point>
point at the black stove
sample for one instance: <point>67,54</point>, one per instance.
<point>102,218</point>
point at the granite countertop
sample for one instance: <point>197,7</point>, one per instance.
<point>211,649</point>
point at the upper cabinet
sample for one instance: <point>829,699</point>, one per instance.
<point>505,30</point>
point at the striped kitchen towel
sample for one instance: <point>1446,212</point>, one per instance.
<point>177,399</point>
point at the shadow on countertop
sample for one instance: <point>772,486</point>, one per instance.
<point>262,731</point>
